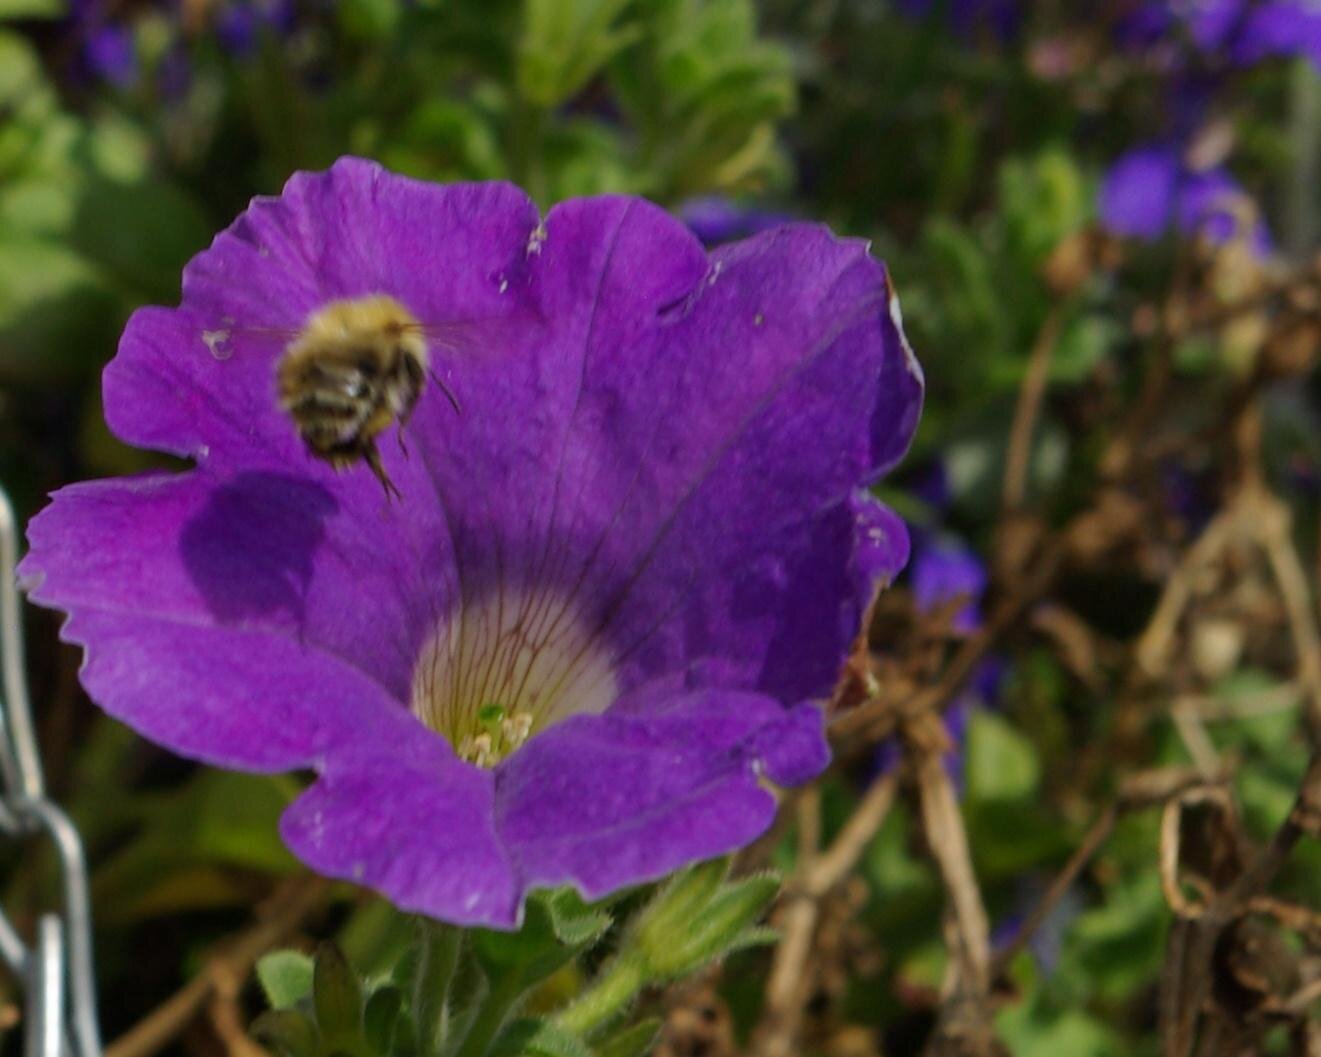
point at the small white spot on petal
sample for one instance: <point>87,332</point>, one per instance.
<point>536,239</point>
<point>217,343</point>
<point>504,285</point>
<point>758,320</point>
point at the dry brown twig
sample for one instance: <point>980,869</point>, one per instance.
<point>296,901</point>
<point>790,985</point>
<point>1018,455</point>
<point>965,1025</point>
<point>1187,1011</point>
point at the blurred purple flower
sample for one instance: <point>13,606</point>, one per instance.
<point>1238,32</point>
<point>982,691</point>
<point>1149,190</point>
<point>239,24</point>
<point>931,485</point>
<point>174,75</point>
<point>715,219</point>
<point>600,617</point>
<point>110,54</point>
<point>1046,945</point>
<point>1187,495</point>
<point>236,28</point>
<point>943,570</point>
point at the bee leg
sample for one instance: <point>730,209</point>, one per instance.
<point>373,457</point>
<point>449,393</point>
<point>402,446</point>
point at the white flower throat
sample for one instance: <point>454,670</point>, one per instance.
<point>498,671</point>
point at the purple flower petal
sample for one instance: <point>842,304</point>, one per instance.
<point>715,219</point>
<point>1240,32</point>
<point>944,571</point>
<point>1137,195</point>
<point>604,801</point>
<point>1279,28</point>
<point>1148,189</point>
<point>236,29</point>
<point>1214,205</point>
<point>645,536</point>
<point>111,54</point>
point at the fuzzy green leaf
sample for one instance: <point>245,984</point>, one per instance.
<point>382,1018</point>
<point>539,1038</point>
<point>337,998</point>
<point>287,1032</point>
<point>634,1041</point>
<point>285,977</point>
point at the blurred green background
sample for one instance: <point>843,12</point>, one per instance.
<point>970,143</point>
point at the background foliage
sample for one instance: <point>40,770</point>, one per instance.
<point>1096,406</point>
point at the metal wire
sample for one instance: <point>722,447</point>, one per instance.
<point>56,968</point>
<point>21,762</point>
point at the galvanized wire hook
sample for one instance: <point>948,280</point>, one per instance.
<point>57,968</point>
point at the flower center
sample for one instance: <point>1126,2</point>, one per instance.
<point>496,672</point>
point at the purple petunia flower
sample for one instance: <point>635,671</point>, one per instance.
<point>619,580</point>
<point>1238,32</point>
<point>715,219</point>
<point>944,570</point>
<point>1149,190</point>
<point>110,54</point>
<point>239,24</point>
<point>931,484</point>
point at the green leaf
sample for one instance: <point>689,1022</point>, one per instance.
<point>573,921</point>
<point>698,918</point>
<point>1002,763</point>
<point>218,819</point>
<point>285,977</point>
<point>57,311</point>
<point>382,1020</point>
<point>556,926</point>
<point>14,9</point>
<point>540,1038</point>
<point>439,949</point>
<point>634,1041</point>
<point>287,1032</point>
<point>337,998</point>
<point>143,233</point>
<point>368,19</point>
<point>1031,1031</point>
<point>1084,345</point>
<point>565,43</point>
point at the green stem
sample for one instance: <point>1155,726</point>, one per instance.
<point>614,989</point>
<point>1304,119</point>
<point>437,959</point>
<point>505,993</point>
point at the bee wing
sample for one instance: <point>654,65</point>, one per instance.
<point>466,335</point>
<point>444,336</point>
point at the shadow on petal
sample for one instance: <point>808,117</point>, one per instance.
<point>251,549</point>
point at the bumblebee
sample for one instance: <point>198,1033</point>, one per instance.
<point>355,367</point>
